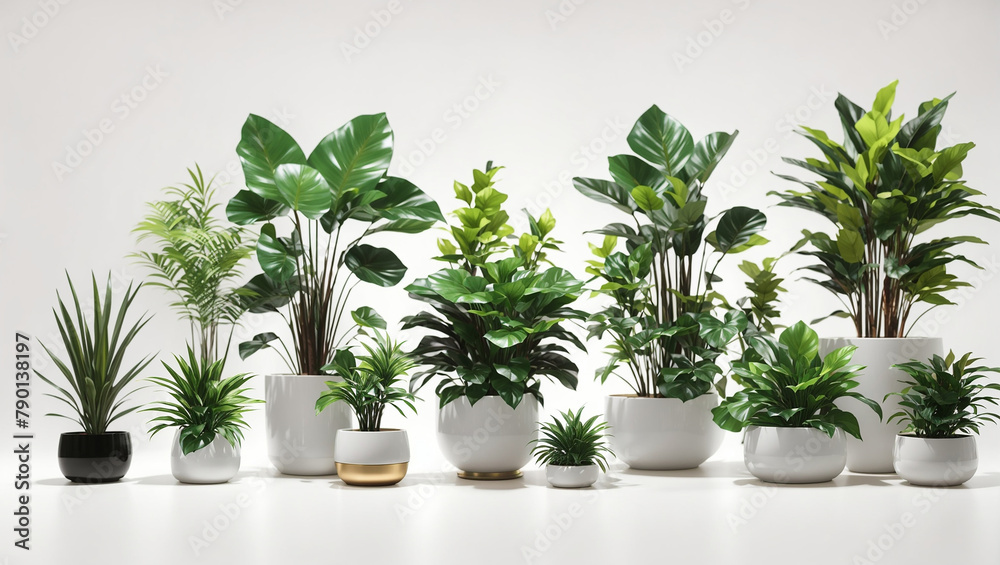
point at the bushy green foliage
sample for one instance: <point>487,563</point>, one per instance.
<point>572,441</point>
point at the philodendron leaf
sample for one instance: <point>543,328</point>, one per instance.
<point>367,317</point>
<point>262,148</point>
<point>355,155</point>
<point>737,226</point>
<point>606,192</point>
<point>706,156</point>
<point>303,189</point>
<point>661,140</point>
<point>248,207</point>
<point>646,198</point>
<point>259,341</point>
<point>506,337</point>
<point>375,265</point>
<point>851,246</point>
<point>801,340</point>
<point>273,257</point>
<point>407,208</point>
<point>263,294</point>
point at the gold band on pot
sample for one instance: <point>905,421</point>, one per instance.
<point>371,475</point>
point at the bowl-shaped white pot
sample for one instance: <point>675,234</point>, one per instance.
<point>940,462</point>
<point>873,453</point>
<point>794,455</point>
<point>488,440</point>
<point>372,458</point>
<point>217,462</point>
<point>299,441</point>
<point>572,476</point>
<point>662,433</point>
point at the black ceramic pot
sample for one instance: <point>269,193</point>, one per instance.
<point>94,458</point>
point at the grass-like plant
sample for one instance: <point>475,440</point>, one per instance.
<point>369,386</point>
<point>96,352</point>
<point>793,386</point>
<point>572,441</point>
<point>197,259</point>
<point>943,397</point>
<point>204,404</point>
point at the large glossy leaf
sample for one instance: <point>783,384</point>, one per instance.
<point>263,294</point>
<point>273,257</point>
<point>376,265</point>
<point>630,171</point>
<point>661,140</point>
<point>262,147</point>
<point>356,155</point>
<point>606,192</point>
<point>707,154</point>
<point>801,340</point>
<point>259,341</point>
<point>302,188</point>
<point>248,207</point>
<point>407,208</point>
<point>367,317</point>
<point>737,226</point>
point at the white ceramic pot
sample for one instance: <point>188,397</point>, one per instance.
<point>372,458</point>
<point>873,453</point>
<point>572,476</point>
<point>938,462</point>
<point>299,441</point>
<point>217,462</point>
<point>794,455</point>
<point>489,440</point>
<point>662,433</point>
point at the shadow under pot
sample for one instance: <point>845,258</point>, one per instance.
<point>94,458</point>
<point>794,455</point>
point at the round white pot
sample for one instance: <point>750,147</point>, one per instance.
<point>217,462</point>
<point>939,462</point>
<point>794,455</point>
<point>878,355</point>
<point>572,476</point>
<point>372,458</point>
<point>299,441</point>
<point>489,440</point>
<point>662,433</point>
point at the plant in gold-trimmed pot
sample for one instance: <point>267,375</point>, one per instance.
<point>97,381</point>
<point>943,407</point>
<point>370,455</point>
<point>573,450</point>
<point>885,191</point>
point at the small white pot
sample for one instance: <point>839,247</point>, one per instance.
<point>662,433</point>
<point>939,462</point>
<point>299,441</point>
<point>217,462</point>
<point>572,476</point>
<point>873,453</point>
<point>489,440</point>
<point>794,455</point>
<point>372,458</point>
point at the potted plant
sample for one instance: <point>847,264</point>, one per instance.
<point>207,411</point>
<point>795,431</point>
<point>370,455</point>
<point>942,407</point>
<point>572,450</point>
<point>667,323</point>
<point>495,329</point>
<point>881,189</point>
<point>97,379</point>
<point>198,260</point>
<point>331,204</point>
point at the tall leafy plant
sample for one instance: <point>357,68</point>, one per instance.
<point>96,351</point>
<point>882,188</point>
<point>197,259</point>
<point>667,323</point>
<point>496,325</point>
<point>328,205</point>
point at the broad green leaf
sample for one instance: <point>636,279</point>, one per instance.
<point>737,226</point>
<point>355,155</point>
<point>302,188</point>
<point>884,98</point>
<point>248,207</point>
<point>801,340</point>
<point>375,265</point>
<point>851,246</point>
<point>506,337</point>
<point>706,156</point>
<point>606,192</point>
<point>405,206</point>
<point>646,198</point>
<point>263,294</point>
<point>950,160</point>
<point>661,140</point>
<point>273,256</point>
<point>259,341</point>
<point>367,317</point>
<point>629,171</point>
<point>262,147</point>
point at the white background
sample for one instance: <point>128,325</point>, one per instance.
<point>547,89</point>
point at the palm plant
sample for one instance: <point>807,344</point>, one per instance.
<point>369,386</point>
<point>197,259</point>
<point>793,386</point>
<point>885,186</point>
<point>943,397</point>
<point>96,353</point>
<point>204,403</point>
<point>572,441</point>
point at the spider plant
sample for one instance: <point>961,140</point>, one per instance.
<point>572,441</point>
<point>943,397</point>
<point>204,404</point>
<point>369,386</point>
<point>196,259</point>
<point>793,386</point>
<point>96,353</point>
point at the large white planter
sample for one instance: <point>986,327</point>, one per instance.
<point>939,462</point>
<point>873,453</point>
<point>572,476</point>
<point>372,458</point>
<point>217,462</point>
<point>794,455</point>
<point>299,441</point>
<point>662,433</point>
<point>489,440</point>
